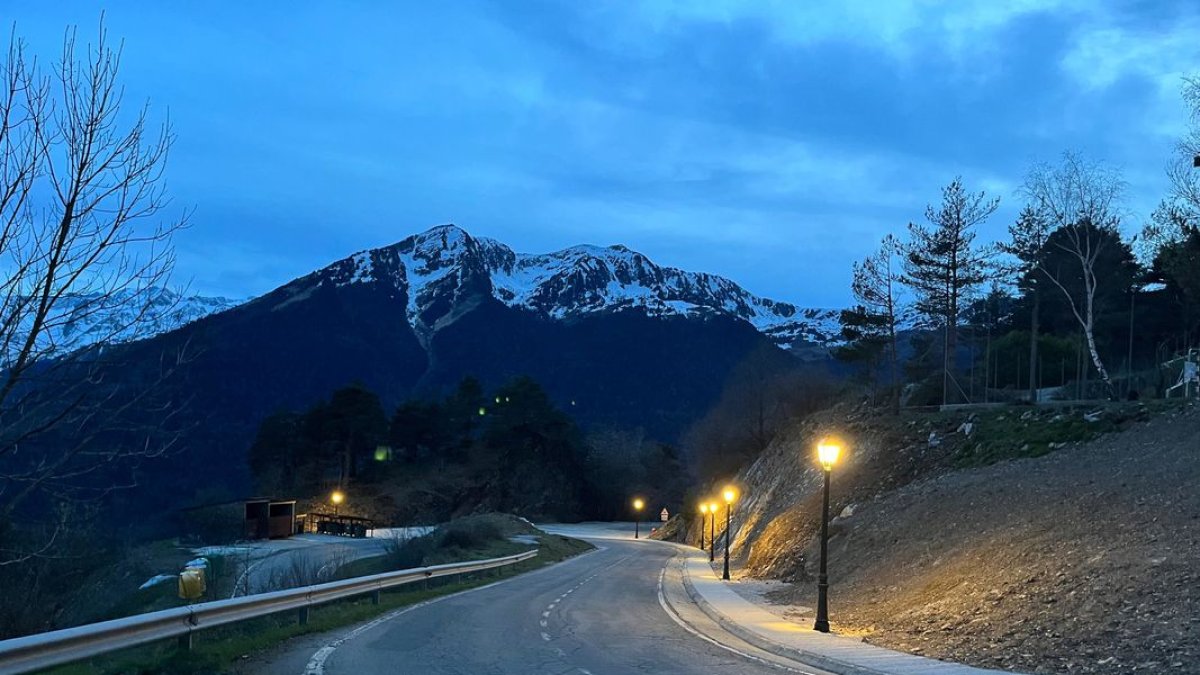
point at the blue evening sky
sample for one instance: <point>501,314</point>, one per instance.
<point>772,142</point>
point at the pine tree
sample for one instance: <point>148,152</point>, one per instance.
<point>942,264</point>
<point>870,326</point>
<point>1027,241</point>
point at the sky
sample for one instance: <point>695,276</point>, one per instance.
<point>771,142</point>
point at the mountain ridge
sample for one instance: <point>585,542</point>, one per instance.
<point>445,266</point>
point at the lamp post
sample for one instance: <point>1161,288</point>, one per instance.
<point>712,532</point>
<point>827,453</point>
<point>637,516</point>
<point>730,495</point>
<point>337,497</point>
<point>703,523</point>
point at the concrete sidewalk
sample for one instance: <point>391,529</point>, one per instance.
<point>769,632</point>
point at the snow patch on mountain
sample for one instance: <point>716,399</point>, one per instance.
<point>85,319</point>
<point>443,269</point>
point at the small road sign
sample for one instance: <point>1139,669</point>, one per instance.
<point>664,515</point>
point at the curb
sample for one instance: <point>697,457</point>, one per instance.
<point>810,658</point>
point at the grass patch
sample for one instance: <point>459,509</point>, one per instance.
<point>215,650</point>
<point>1020,431</point>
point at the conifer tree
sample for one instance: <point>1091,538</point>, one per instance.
<point>942,265</point>
<point>871,324</point>
<point>1027,243</point>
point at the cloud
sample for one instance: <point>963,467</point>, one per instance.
<point>902,28</point>
<point>1112,52</point>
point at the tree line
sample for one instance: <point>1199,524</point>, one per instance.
<point>510,450</point>
<point>1066,282</point>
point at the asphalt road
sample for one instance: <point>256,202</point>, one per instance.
<point>619,609</point>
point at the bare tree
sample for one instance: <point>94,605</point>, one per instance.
<point>80,189</point>
<point>762,395</point>
<point>942,264</point>
<point>1081,199</point>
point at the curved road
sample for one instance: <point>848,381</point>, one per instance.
<point>619,609</point>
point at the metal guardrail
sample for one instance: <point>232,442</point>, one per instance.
<point>44,650</point>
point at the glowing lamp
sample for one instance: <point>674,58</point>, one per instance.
<point>828,449</point>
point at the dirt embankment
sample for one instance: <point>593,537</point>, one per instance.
<point>1084,560</point>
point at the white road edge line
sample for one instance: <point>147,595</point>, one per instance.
<point>316,665</point>
<point>662,600</point>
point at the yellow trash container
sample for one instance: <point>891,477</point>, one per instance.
<point>192,582</point>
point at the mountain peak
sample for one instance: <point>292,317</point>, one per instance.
<point>437,242</point>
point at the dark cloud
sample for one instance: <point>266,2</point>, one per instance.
<point>762,141</point>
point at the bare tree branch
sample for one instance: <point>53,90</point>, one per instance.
<point>80,242</point>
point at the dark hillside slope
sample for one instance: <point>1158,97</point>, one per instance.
<point>624,368</point>
<point>239,366</point>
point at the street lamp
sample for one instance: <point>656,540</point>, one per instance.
<point>703,523</point>
<point>712,532</point>
<point>637,516</point>
<point>828,449</point>
<point>730,495</point>
<point>337,498</point>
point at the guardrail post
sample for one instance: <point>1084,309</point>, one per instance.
<point>303,616</point>
<point>185,642</point>
<point>375,598</point>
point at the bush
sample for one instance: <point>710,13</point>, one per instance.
<point>408,553</point>
<point>469,534</point>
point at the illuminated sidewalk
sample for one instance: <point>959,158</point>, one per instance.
<point>771,633</point>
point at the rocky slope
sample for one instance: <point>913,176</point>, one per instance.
<point>1083,560</point>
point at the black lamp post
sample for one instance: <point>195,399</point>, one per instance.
<point>712,533</point>
<point>703,523</point>
<point>730,495</point>
<point>827,453</point>
<point>637,517</point>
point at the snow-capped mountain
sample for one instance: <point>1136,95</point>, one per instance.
<point>444,270</point>
<point>82,320</point>
<point>618,340</point>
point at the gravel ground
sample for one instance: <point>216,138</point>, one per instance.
<point>1086,560</point>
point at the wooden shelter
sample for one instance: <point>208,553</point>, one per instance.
<point>270,518</point>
